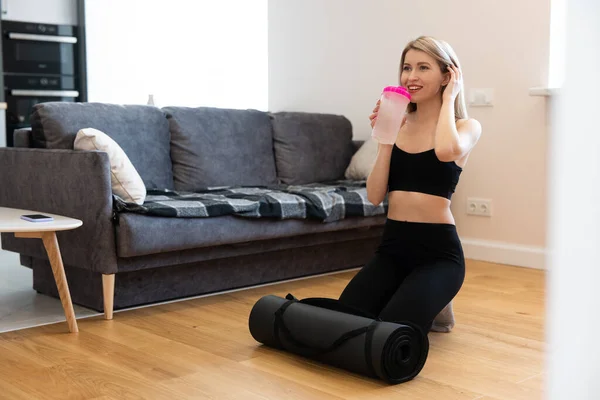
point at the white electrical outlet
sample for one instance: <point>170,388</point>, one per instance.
<point>482,207</point>
<point>483,97</point>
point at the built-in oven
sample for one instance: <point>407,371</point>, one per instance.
<point>40,64</point>
<point>30,48</point>
<point>23,92</point>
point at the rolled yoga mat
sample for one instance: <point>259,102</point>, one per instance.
<point>329,332</point>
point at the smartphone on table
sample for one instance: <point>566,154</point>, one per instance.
<point>37,218</point>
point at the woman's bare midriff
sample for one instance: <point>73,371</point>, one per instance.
<point>419,207</point>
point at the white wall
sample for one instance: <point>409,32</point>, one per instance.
<point>574,216</point>
<point>185,53</point>
<point>60,12</point>
<point>334,56</point>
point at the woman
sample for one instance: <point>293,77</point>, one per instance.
<point>419,265</point>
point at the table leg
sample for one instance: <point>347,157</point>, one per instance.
<point>51,245</point>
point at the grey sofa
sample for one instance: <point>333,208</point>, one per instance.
<point>155,259</point>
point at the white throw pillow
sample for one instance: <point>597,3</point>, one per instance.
<point>125,180</point>
<point>362,161</point>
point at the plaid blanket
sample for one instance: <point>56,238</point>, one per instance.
<point>327,202</point>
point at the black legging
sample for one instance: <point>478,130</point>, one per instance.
<point>416,271</point>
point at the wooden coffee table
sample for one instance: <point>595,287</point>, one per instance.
<point>10,221</point>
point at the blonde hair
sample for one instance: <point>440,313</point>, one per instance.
<point>443,53</point>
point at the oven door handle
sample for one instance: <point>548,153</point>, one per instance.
<point>42,38</point>
<point>45,93</point>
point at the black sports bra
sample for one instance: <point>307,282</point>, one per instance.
<point>422,172</point>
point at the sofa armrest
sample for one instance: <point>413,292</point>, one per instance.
<point>22,137</point>
<point>72,183</point>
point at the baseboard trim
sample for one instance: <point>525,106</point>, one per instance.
<point>505,253</point>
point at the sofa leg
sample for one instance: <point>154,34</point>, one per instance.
<point>108,289</point>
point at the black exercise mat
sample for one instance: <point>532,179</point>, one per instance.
<point>327,331</point>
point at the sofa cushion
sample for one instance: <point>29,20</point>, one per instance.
<point>125,180</point>
<point>363,160</point>
<point>141,131</point>
<point>136,234</point>
<point>311,147</point>
<point>220,147</point>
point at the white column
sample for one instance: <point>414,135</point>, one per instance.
<point>2,128</point>
<point>573,291</point>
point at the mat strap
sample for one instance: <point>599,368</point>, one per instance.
<point>280,326</point>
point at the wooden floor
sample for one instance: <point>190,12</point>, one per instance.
<point>202,349</point>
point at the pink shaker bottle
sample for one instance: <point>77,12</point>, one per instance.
<point>394,101</point>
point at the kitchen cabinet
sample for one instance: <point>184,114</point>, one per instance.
<point>60,12</point>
